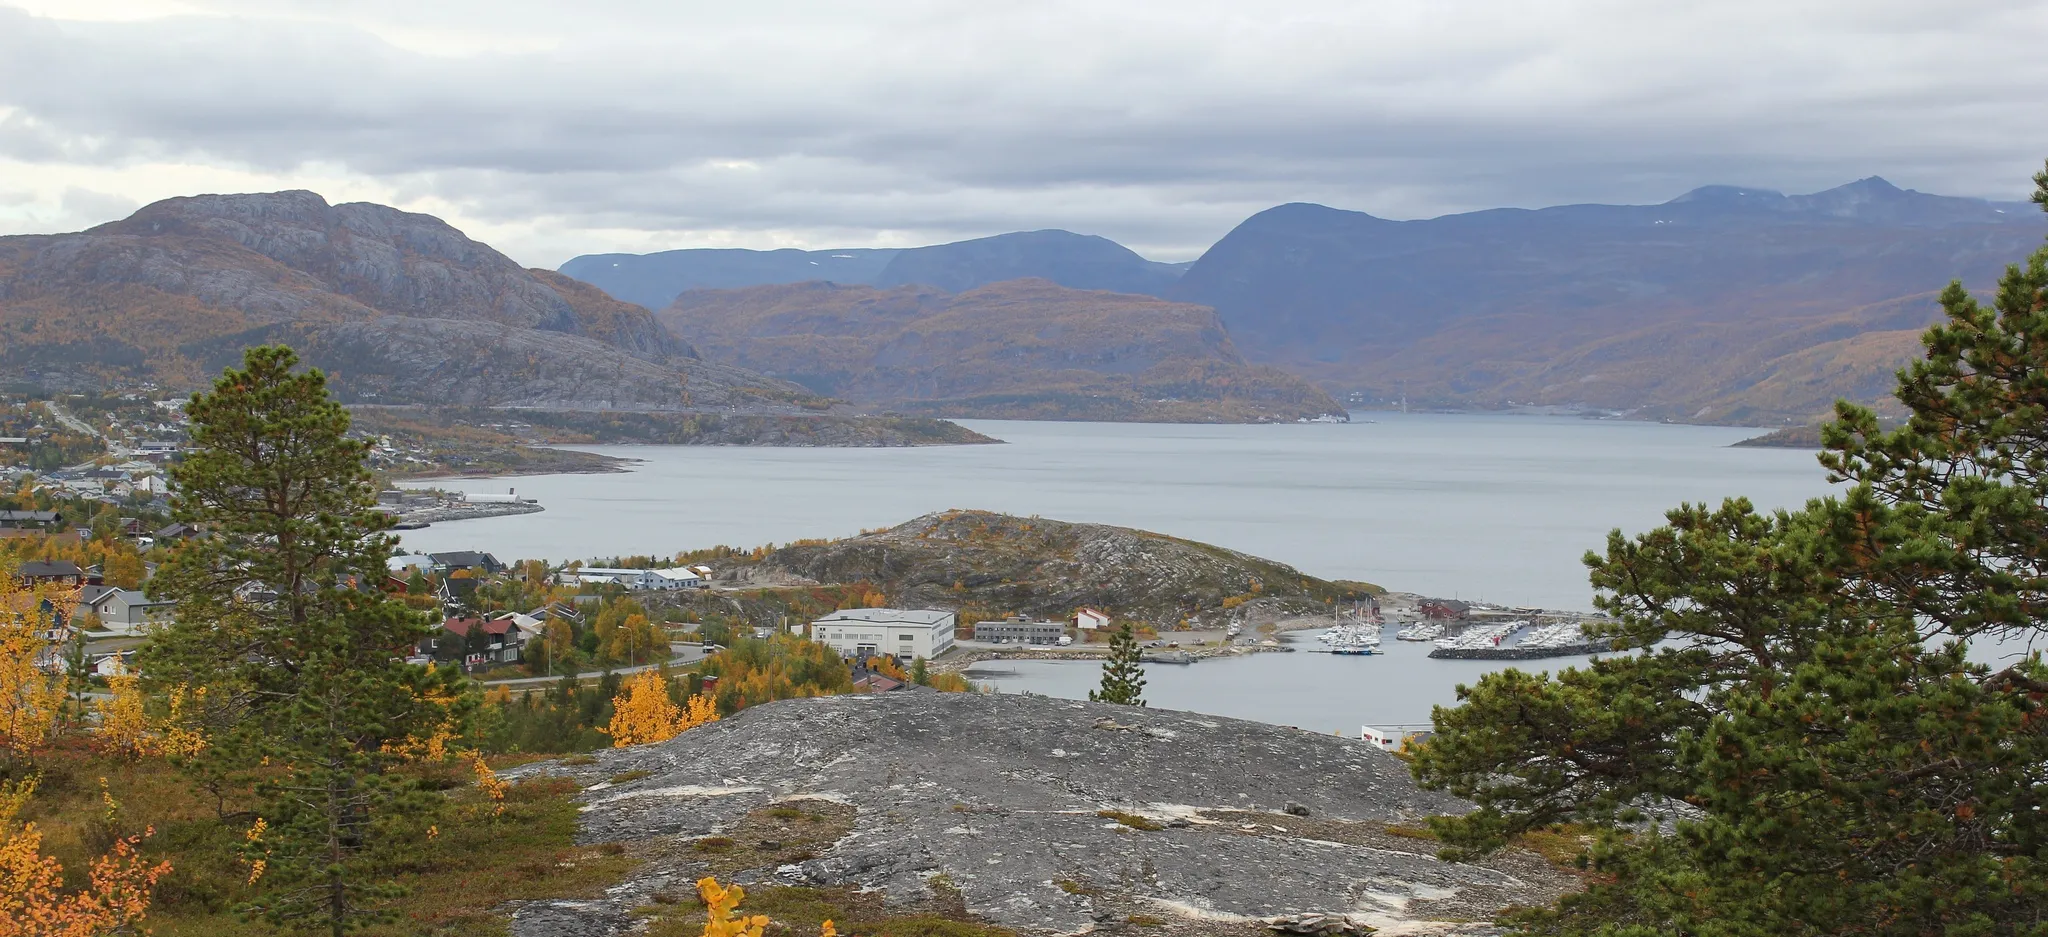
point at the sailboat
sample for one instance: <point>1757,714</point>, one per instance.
<point>1356,638</point>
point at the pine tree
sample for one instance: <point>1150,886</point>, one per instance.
<point>281,622</point>
<point>920,672</point>
<point>1797,702</point>
<point>1123,676</point>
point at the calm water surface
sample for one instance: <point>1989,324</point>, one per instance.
<point>1320,692</point>
<point>1489,507</point>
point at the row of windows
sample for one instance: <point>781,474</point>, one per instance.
<point>867,636</point>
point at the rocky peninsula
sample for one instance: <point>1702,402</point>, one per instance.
<point>993,564</point>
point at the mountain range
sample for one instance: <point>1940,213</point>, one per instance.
<point>1015,349</point>
<point>397,307</point>
<point>1079,261</point>
<point>1725,304</point>
<point>401,308</point>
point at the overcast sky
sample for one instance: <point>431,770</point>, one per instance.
<point>552,129</point>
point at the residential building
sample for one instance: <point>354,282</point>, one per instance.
<point>476,642</point>
<point>30,520</point>
<point>1019,630</point>
<point>456,591</point>
<point>567,613</point>
<point>868,681</point>
<point>124,611</point>
<point>1394,739</point>
<point>471,560</point>
<point>60,571</point>
<point>905,634</point>
<point>403,566</point>
<point>1089,619</point>
<point>175,532</point>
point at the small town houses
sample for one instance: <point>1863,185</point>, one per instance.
<point>639,580</point>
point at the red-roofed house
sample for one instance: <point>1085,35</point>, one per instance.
<point>478,642</point>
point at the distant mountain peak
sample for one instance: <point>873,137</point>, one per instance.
<point>1874,184</point>
<point>1727,193</point>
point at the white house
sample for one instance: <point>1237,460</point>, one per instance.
<point>113,665</point>
<point>125,611</point>
<point>1089,619</point>
<point>638,580</point>
<point>906,634</point>
<point>404,566</point>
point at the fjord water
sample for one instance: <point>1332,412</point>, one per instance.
<point>1493,507</point>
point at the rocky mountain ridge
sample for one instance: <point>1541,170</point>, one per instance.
<point>1725,304</point>
<point>1078,261</point>
<point>397,307</point>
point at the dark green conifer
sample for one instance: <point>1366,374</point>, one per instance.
<point>1123,676</point>
<point>281,620</point>
<point>1794,703</point>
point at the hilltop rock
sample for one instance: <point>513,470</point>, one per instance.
<point>1045,816</point>
<point>1001,563</point>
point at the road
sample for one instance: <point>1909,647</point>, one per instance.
<point>684,655</point>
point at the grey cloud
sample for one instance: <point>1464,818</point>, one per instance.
<point>1156,124</point>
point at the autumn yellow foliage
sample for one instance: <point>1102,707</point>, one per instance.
<point>721,902</point>
<point>127,729</point>
<point>488,781</point>
<point>124,726</point>
<point>30,695</point>
<point>643,713</point>
<point>33,902</point>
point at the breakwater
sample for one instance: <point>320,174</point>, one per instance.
<point>1520,653</point>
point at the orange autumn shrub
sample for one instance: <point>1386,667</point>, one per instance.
<point>33,902</point>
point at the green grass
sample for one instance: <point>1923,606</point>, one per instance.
<point>1132,820</point>
<point>633,775</point>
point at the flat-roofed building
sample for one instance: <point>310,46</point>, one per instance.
<point>1019,630</point>
<point>905,634</point>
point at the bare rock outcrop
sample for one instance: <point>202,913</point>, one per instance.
<point>1044,816</point>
